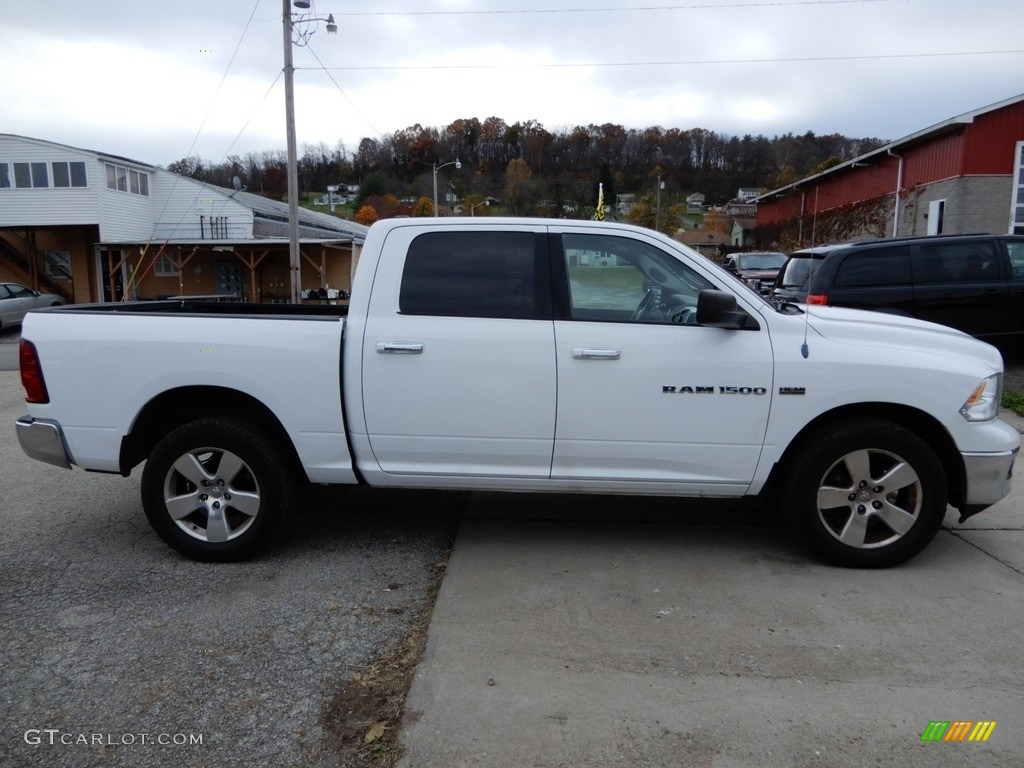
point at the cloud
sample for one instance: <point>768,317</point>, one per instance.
<point>144,75</point>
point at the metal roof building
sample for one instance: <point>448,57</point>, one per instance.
<point>965,174</point>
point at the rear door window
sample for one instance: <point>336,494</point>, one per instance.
<point>961,284</point>
<point>957,262</point>
<point>475,274</point>
<point>875,267</point>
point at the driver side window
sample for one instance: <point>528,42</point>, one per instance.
<point>618,279</point>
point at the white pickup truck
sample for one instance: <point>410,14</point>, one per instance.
<point>525,355</point>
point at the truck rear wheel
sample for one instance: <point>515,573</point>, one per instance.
<point>213,489</point>
<point>867,494</point>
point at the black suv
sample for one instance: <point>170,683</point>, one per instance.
<point>971,282</point>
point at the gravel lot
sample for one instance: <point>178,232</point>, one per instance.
<point>112,642</point>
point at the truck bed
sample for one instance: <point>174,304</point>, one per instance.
<point>200,307</point>
<point>178,359</point>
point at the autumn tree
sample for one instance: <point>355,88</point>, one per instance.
<point>386,206</point>
<point>641,212</point>
<point>424,207</point>
<point>474,205</point>
<point>716,221</point>
<point>517,187</point>
<point>367,215</point>
<point>673,220</point>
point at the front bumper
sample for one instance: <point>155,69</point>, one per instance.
<point>43,441</point>
<point>988,476</point>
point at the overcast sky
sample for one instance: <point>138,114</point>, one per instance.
<point>156,81</point>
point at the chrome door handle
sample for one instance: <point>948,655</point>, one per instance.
<point>592,353</point>
<point>397,348</point>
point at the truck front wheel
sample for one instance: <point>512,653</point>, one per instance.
<point>213,488</point>
<point>867,493</point>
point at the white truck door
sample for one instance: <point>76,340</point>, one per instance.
<point>458,354</point>
<point>645,395</point>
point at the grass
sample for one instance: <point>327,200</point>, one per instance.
<point>1014,401</point>
<point>609,277</point>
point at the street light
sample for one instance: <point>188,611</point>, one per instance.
<point>290,29</point>
<point>437,167</point>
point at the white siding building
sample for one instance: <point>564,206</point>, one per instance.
<point>93,226</point>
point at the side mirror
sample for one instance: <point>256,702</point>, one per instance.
<point>718,309</point>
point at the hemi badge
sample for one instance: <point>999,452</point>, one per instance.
<point>792,391</point>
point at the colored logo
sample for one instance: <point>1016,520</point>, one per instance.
<point>958,730</point>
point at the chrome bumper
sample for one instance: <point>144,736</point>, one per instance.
<point>988,477</point>
<point>43,441</point>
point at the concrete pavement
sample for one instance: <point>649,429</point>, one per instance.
<point>8,356</point>
<point>623,631</point>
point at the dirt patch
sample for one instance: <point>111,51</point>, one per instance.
<point>362,718</point>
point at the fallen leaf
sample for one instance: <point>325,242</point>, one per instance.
<point>375,732</point>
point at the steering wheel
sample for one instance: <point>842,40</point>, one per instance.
<point>644,305</point>
<point>682,315</point>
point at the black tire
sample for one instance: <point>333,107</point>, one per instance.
<point>213,489</point>
<point>866,494</point>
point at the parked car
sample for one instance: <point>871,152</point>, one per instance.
<point>16,300</point>
<point>758,269</point>
<point>974,283</point>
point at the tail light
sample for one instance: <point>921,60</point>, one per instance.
<point>819,299</point>
<point>32,374</point>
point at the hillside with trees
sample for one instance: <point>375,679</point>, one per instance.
<point>536,171</point>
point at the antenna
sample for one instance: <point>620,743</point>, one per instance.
<point>237,184</point>
<point>807,312</point>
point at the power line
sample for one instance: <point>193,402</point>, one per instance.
<point>340,89</point>
<point>220,85</point>
<point>192,146</point>
<point>523,11</point>
<point>692,62</point>
<point>249,120</point>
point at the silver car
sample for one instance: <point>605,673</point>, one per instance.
<point>16,300</point>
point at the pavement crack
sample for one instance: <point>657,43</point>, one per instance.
<point>1012,567</point>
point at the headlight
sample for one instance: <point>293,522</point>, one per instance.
<point>983,404</point>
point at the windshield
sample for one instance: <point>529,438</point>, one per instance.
<point>797,273</point>
<point>761,260</point>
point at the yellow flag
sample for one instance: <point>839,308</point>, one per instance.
<point>599,213</point>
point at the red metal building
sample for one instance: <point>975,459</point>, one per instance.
<point>965,174</point>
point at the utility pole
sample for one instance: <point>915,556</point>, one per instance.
<point>293,170</point>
